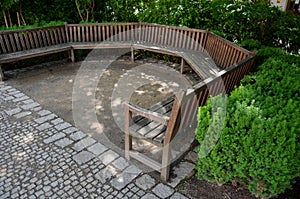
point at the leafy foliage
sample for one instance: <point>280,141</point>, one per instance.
<point>259,145</point>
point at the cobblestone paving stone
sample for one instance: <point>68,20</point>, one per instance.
<point>44,157</point>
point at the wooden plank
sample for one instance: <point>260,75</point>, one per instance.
<point>36,40</point>
<point>119,33</point>
<point>197,41</point>
<point>44,39</point>
<point>12,42</point>
<point>98,34</point>
<point>184,35</point>
<point>86,35</point>
<point>92,35</point>
<point>51,31</point>
<point>75,34</point>
<point>7,43</point>
<point>95,34</point>
<point>56,37</point>
<point>146,160</point>
<point>79,39</point>
<point>27,42</point>
<point>83,35</point>
<point>16,36</point>
<point>21,37</point>
<point>3,48</point>
<point>63,35</point>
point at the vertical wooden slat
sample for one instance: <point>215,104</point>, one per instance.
<point>16,37</point>
<point>21,37</point>
<point>119,32</point>
<point>100,32</point>
<point>185,35</point>
<point>12,42</point>
<point>197,41</point>
<point>31,41</point>
<point>92,33</point>
<point>7,43</point>
<point>40,38</point>
<point>95,32</point>
<point>44,38</point>
<point>27,42</point>
<point>2,44</point>
<point>87,33</point>
<point>107,33</point>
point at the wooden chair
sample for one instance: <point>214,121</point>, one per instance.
<point>155,127</point>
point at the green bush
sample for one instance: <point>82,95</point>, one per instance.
<point>259,144</point>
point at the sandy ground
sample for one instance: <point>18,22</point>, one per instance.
<point>90,98</point>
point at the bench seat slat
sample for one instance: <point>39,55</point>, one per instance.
<point>6,58</point>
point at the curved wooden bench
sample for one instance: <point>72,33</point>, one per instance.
<point>220,64</point>
<point>198,48</point>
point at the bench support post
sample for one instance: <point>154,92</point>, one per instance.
<point>72,57</point>
<point>128,137</point>
<point>132,55</point>
<point>165,170</point>
<point>181,65</point>
<point>1,74</point>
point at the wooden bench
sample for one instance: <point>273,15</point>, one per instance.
<point>159,125</point>
<point>198,48</point>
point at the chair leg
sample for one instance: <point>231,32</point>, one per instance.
<point>72,56</point>
<point>128,145</point>
<point>128,137</point>
<point>165,170</point>
<point>1,74</point>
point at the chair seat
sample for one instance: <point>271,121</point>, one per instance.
<point>152,131</point>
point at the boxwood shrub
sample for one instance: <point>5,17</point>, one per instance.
<point>259,143</point>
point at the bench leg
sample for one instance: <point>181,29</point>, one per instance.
<point>72,57</point>
<point>132,55</point>
<point>128,137</point>
<point>1,74</point>
<point>165,170</point>
<point>181,66</point>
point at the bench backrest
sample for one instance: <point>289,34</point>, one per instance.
<point>183,117</point>
<point>27,39</point>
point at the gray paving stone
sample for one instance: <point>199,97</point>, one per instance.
<point>44,112</point>
<point>21,99</point>
<point>84,143</point>
<point>178,196</point>
<point>163,191</point>
<point>97,149</point>
<point>63,142</point>
<point>125,177</point>
<point>120,163</point>
<point>54,137</point>
<point>22,114</point>
<point>78,135</point>
<point>70,130</point>
<point>149,196</point>
<point>62,126</point>
<point>44,126</point>
<point>83,157</point>
<point>28,101</point>
<point>183,170</point>
<point>145,182</point>
<point>108,156</point>
<point>30,106</point>
<point>105,174</point>
<point>13,111</point>
<point>45,118</point>
<point>57,121</point>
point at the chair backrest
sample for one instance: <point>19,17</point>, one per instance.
<point>183,115</point>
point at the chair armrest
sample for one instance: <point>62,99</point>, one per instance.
<point>147,113</point>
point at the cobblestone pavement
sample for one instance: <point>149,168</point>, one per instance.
<point>42,156</point>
